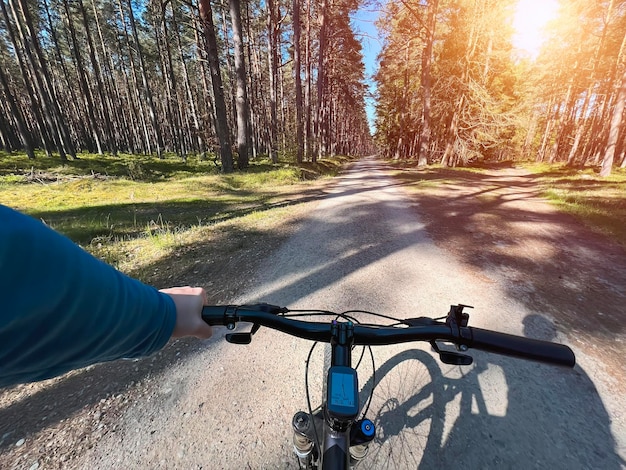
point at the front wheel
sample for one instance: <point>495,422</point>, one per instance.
<point>404,411</point>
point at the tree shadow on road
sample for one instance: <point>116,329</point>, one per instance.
<point>555,265</point>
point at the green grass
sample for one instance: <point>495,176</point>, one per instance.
<point>130,209</point>
<point>599,202</point>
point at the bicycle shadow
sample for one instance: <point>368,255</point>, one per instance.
<point>551,417</point>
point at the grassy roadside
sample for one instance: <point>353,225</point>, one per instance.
<point>599,203</point>
<point>150,217</point>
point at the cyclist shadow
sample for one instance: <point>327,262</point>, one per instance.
<point>498,413</point>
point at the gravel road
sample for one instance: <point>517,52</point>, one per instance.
<point>365,247</point>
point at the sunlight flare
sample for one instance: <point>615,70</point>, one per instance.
<point>531,17</point>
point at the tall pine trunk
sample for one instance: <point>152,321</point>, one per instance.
<point>614,129</point>
<point>272,57</point>
<point>221,116</point>
<point>107,134</point>
<point>43,83</point>
<point>17,115</point>
<point>144,79</point>
<point>321,85</point>
<point>189,91</point>
<point>243,135</point>
<point>298,80</point>
<point>424,139</point>
<point>82,81</point>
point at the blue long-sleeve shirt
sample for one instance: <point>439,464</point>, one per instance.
<point>62,309</point>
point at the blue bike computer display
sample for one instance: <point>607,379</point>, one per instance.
<point>342,400</point>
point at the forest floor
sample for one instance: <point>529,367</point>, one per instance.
<point>494,222</point>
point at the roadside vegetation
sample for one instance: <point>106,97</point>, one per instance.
<point>598,202</point>
<point>133,212</point>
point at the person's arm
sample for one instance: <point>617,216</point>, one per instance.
<point>61,308</point>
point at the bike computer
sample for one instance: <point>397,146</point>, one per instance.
<point>342,400</point>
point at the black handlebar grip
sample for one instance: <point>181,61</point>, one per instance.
<point>526,348</point>
<point>215,314</point>
<point>225,315</point>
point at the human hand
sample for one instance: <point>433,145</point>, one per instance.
<point>189,302</point>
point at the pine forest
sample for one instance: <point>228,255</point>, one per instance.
<point>235,81</point>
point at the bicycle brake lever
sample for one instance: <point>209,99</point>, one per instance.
<point>455,359</point>
<point>242,338</point>
<point>451,357</point>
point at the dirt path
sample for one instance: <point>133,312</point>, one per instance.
<point>370,243</point>
<point>497,225</point>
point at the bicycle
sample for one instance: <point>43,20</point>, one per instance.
<point>336,434</point>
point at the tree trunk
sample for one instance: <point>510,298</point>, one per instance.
<point>135,94</point>
<point>424,140</point>
<point>561,118</point>
<point>144,79</point>
<point>616,123</point>
<point>109,140</point>
<point>580,127</point>
<point>321,79</point>
<point>73,103</point>
<point>209,108</point>
<point>43,83</point>
<point>243,134</point>
<point>190,95</point>
<point>253,88</point>
<point>298,80</point>
<point>308,140</point>
<point>449,159</point>
<point>272,56</point>
<point>120,132</point>
<point>17,115</point>
<point>82,80</point>
<point>221,117</point>
<point>172,103</point>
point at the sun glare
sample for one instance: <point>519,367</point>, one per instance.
<point>530,18</point>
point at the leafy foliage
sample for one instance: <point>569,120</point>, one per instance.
<point>489,101</point>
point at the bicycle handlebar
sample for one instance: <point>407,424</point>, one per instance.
<point>478,338</point>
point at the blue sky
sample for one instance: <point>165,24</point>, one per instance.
<point>363,24</point>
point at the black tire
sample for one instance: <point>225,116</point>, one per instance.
<point>405,409</point>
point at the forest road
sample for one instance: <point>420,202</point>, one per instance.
<point>368,246</point>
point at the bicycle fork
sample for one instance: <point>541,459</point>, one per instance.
<point>359,435</point>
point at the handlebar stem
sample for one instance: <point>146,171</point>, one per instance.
<point>341,340</point>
